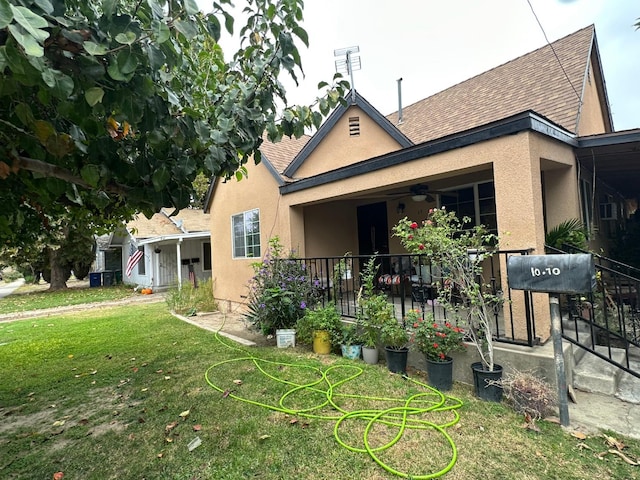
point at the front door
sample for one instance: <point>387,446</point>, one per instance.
<point>373,229</point>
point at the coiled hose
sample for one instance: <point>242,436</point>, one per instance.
<point>408,415</point>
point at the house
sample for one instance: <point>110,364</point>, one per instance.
<point>176,249</point>
<point>519,148</point>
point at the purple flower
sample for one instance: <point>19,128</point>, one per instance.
<point>303,305</point>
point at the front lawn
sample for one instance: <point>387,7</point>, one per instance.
<point>119,393</point>
<point>30,297</point>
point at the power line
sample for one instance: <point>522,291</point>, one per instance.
<point>553,50</point>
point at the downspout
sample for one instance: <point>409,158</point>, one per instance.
<point>400,101</point>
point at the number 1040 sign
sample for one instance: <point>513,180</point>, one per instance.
<point>570,273</point>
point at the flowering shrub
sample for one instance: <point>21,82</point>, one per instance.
<point>280,290</point>
<point>459,250</point>
<point>435,340</point>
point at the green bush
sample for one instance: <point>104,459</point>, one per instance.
<point>187,300</point>
<point>12,275</point>
<point>319,318</point>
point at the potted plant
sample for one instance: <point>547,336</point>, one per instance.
<point>321,327</point>
<point>436,341</point>
<point>395,339</point>
<point>460,252</point>
<point>350,342</point>
<point>374,309</point>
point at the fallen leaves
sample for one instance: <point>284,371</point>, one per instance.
<point>185,414</point>
<point>58,476</point>
<point>170,427</point>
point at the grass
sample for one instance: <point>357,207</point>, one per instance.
<point>99,395</point>
<point>34,297</point>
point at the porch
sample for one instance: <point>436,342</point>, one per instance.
<point>412,281</point>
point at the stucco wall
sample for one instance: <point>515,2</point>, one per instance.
<point>591,119</point>
<point>339,148</point>
<point>260,191</point>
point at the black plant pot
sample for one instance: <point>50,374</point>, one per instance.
<point>397,359</point>
<point>484,382</point>
<point>440,374</point>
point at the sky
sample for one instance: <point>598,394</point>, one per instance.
<point>434,44</point>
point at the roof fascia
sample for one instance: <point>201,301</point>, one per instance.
<point>602,84</point>
<point>336,115</point>
<point>209,196</point>
<point>176,237</point>
<point>528,120</point>
<point>605,139</point>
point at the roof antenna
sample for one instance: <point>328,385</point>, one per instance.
<point>399,100</point>
<point>348,65</point>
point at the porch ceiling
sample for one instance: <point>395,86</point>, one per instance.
<point>615,158</point>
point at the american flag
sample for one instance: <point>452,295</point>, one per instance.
<point>134,257</point>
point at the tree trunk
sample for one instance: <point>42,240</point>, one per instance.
<point>58,272</point>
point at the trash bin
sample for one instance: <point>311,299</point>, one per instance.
<point>95,279</point>
<point>107,278</point>
<point>118,277</point>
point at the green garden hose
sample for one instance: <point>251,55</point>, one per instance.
<point>403,417</point>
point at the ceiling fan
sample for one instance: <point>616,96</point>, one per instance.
<point>419,193</point>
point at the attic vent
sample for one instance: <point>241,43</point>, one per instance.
<point>354,126</point>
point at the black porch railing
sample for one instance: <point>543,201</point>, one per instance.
<point>410,282</point>
<point>606,320</point>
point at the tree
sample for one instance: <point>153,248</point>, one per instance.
<point>112,107</point>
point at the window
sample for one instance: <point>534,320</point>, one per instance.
<point>142,264</point>
<point>206,256</point>
<point>246,234</point>
<point>478,202</point>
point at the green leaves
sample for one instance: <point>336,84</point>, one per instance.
<point>27,29</point>
<point>93,48</point>
<point>137,102</point>
<point>94,95</point>
<point>126,38</point>
<point>6,14</point>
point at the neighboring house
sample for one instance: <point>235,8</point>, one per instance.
<point>519,148</point>
<point>176,249</point>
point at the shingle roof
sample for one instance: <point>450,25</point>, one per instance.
<point>282,153</point>
<point>193,220</point>
<point>534,81</point>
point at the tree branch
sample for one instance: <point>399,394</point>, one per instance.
<point>55,171</point>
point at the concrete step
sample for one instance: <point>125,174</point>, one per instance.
<point>629,385</point>
<point>582,335</point>
<point>592,374</point>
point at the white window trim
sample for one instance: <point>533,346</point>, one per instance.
<point>233,249</point>
<point>476,196</point>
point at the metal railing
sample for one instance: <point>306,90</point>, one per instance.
<point>607,320</point>
<point>411,282</point>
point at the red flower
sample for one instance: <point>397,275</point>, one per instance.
<point>421,247</point>
<point>414,225</point>
<point>435,345</point>
<point>410,237</point>
<point>441,355</point>
<point>415,325</point>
